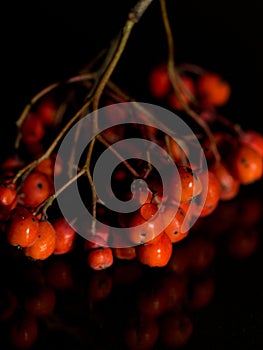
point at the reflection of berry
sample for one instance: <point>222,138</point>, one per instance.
<point>141,334</point>
<point>175,329</point>
<point>42,302</point>
<point>23,331</point>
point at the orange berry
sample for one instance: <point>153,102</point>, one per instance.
<point>247,165</point>
<point>159,81</point>
<point>126,253</point>
<point>100,258</point>
<point>185,186</point>
<point>211,199</point>
<point>173,228</point>
<point>156,254</point>
<point>35,189</point>
<point>45,243</point>
<point>65,236</point>
<point>46,111</point>
<point>229,184</point>
<point>213,90</point>
<point>22,229</point>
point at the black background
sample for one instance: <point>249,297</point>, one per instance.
<point>46,41</point>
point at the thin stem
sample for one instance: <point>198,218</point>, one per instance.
<point>117,154</point>
<point>41,94</point>
<point>175,79</point>
<point>27,169</point>
<point>43,207</point>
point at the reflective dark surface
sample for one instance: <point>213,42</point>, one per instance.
<point>210,295</point>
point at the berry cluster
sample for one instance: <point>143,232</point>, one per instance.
<point>30,216</point>
<point>234,158</point>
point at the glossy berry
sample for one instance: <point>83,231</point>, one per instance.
<point>35,189</point>
<point>209,199</point>
<point>229,184</point>
<point>173,226</point>
<point>152,225</point>
<point>22,229</point>
<point>65,236</point>
<point>156,254</point>
<point>212,89</point>
<point>247,165</point>
<point>185,185</point>
<point>45,243</point>
<point>100,258</point>
<point>8,195</point>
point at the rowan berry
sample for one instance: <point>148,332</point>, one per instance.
<point>247,165</point>
<point>159,81</point>
<point>32,129</point>
<point>100,258</point>
<point>35,189</point>
<point>229,184</point>
<point>45,243</point>
<point>65,236</point>
<point>211,198</point>
<point>22,228</point>
<point>155,254</point>
<point>213,89</point>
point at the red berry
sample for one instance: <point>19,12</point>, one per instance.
<point>35,189</point>
<point>155,254</point>
<point>100,258</point>
<point>32,129</point>
<point>159,82</point>
<point>22,229</point>
<point>65,236</point>
<point>45,243</point>
<point>247,165</point>
<point>212,89</point>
